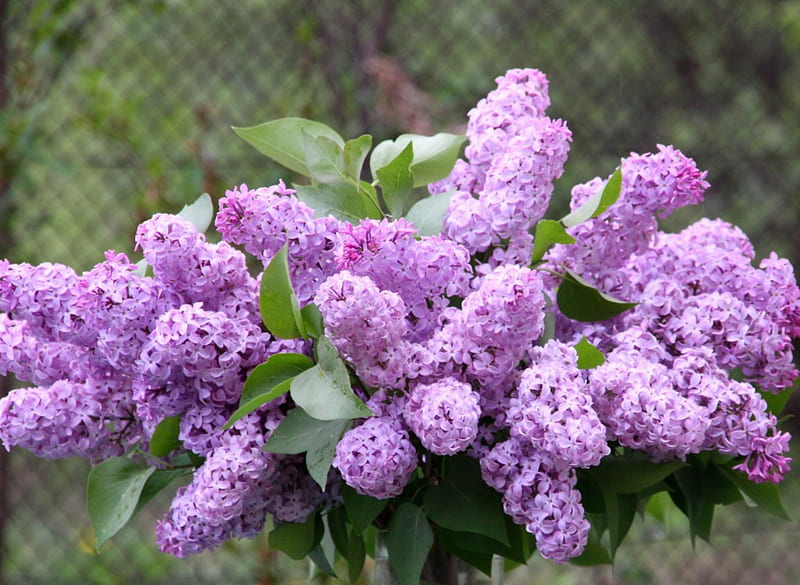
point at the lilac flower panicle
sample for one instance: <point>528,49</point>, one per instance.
<point>376,458</point>
<point>444,415</point>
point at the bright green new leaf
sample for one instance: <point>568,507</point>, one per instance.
<point>462,501</point>
<point>597,203</point>
<point>355,153</point>
<point>324,159</point>
<point>165,438</point>
<point>361,510</point>
<point>434,156</point>
<point>409,539</point>
<point>324,391</point>
<point>112,493</point>
<point>397,183</point>
<point>200,213</point>
<point>588,355</point>
<point>580,301</point>
<point>344,201</point>
<point>282,140</point>
<point>428,214</point>
<point>548,233</point>
<point>278,368</point>
<point>278,304</point>
<point>297,539</point>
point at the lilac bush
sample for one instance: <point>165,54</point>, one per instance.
<point>426,353</point>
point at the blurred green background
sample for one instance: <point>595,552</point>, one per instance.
<point>113,110</point>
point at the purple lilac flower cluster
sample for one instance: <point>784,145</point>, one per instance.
<point>444,335</point>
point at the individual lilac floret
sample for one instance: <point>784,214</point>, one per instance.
<point>265,219</point>
<point>519,182</point>
<point>444,415</point>
<point>552,408</point>
<point>68,419</point>
<point>539,492</point>
<point>367,326</point>
<point>376,458</point>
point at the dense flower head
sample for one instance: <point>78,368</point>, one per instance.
<point>367,325</point>
<point>376,458</point>
<point>539,492</point>
<point>552,408</point>
<point>68,419</point>
<point>444,415</point>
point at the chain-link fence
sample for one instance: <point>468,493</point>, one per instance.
<point>113,110</point>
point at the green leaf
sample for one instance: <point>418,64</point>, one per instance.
<point>361,510</point>
<point>267,381</point>
<point>282,140</point>
<point>474,549</point>
<point>632,472</point>
<point>356,555</point>
<point>319,456</point>
<point>580,301</point>
<point>766,496</point>
<point>588,355</point>
<point>312,320</point>
<point>165,438</point>
<point>355,153</point>
<point>336,521</point>
<point>620,512</point>
<point>159,479</point>
<point>200,212</point>
<point>548,233</point>
<point>397,182</point>
<point>462,501</point>
<point>324,159</point>
<point>278,368</point>
<point>299,432</point>
<point>434,156</point>
<point>409,539</point>
<point>777,402</point>
<point>692,498</point>
<point>112,493</point>
<point>597,203</point>
<point>343,201</point>
<point>428,214</point>
<point>324,391</point>
<point>277,301</point>
<point>297,539</point>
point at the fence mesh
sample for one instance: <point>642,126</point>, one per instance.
<point>113,110</point>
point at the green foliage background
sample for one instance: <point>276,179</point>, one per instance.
<point>113,110</point>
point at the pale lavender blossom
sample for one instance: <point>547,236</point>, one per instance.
<point>444,415</point>
<point>376,458</point>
